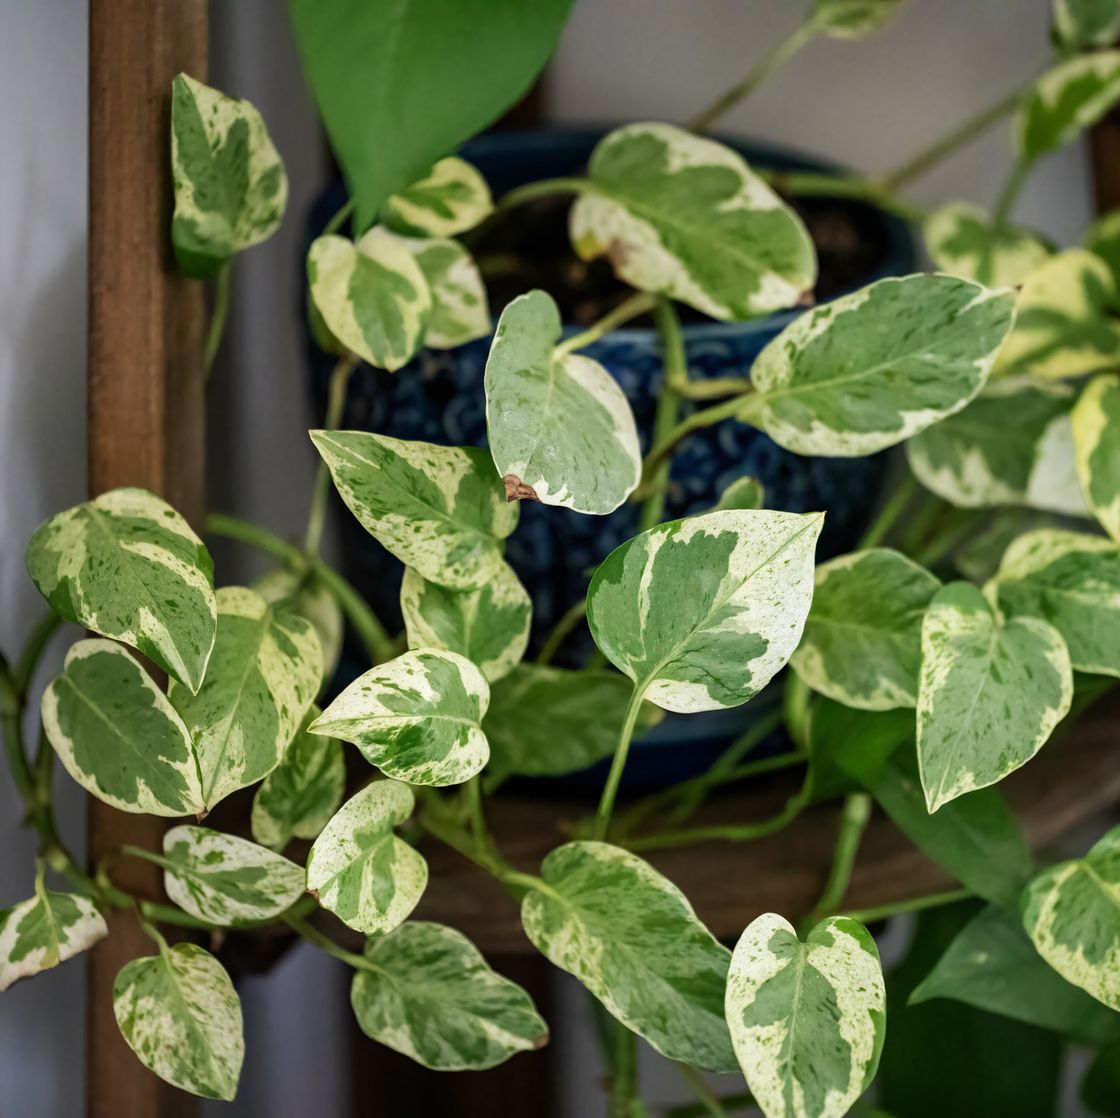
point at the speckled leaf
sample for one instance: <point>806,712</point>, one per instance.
<point>1071,580</point>
<point>686,217</point>
<point>440,510</point>
<point>742,493</point>
<point>431,996</point>
<point>963,241</point>
<point>1087,23</point>
<point>874,368</point>
<point>416,718</point>
<point>1013,445</point>
<point>489,626</point>
<point>452,198</point>
<point>557,423</point>
<point>118,736</point>
<point>359,870</point>
<point>180,1014</point>
<point>262,678</point>
<point>230,185</point>
<point>990,693</point>
<point>1066,100</point>
<point>852,19</point>
<point>808,1018</point>
<point>300,795</point>
<point>545,721</point>
<point>749,584</point>
<point>1062,328</point>
<point>1096,443</point>
<point>128,566</point>
<point>46,930</point>
<point>862,642</point>
<point>631,937</point>
<point>302,593</point>
<point>372,296</point>
<point>1072,914</point>
<point>226,880</point>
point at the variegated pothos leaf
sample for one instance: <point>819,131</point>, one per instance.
<point>1079,24</point>
<point>304,594</point>
<point>1096,445</point>
<point>963,241</point>
<point>452,198</point>
<point>1066,100</point>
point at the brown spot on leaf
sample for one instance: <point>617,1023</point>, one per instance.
<point>807,299</point>
<point>314,893</point>
<point>517,490</point>
<point>540,1042</point>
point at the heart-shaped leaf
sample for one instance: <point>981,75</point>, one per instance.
<point>1096,443</point>
<point>963,241</point>
<point>452,198</point>
<point>1066,100</point>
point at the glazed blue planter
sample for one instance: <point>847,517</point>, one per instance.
<point>438,398</point>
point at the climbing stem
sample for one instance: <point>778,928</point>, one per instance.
<point>562,630</point>
<point>218,315</point>
<point>889,514</point>
<point>336,404</point>
<point>635,305</point>
<point>709,1101</point>
<point>853,821</point>
<point>614,777</point>
<point>1005,203</point>
<point>675,374</point>
<point>310,934</point>
<point>914,904</point>
<point>697,421</point>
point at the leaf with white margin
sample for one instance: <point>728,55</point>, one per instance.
<point>1096,444</point>
<point>545,721</point>
<point>430,995</point>
<point>489,626</point>
<point>701,613</point>
<point>46,930</point>
<point>438,509</point>
<point>417,718</point>
<point>304,594</point>
<point>178,1011</point>
<point>1071,580</point>
<point>372,296</point>
<point>686,217</point>
<point>558,423</point>
<point>117,734</point>
<point>1062,328</point>
<point>963,241</point>
<point>262,678</point>
<point>808,1018</point>
<point>630,936</point>
<point>990,693</point>
<point>300,795</point>
<point>873,368</point>
<point>1072,914</point>
<point>1013,445</point>
<point>852,19</point>
<point>359,870</point>
<point>1066,100</point>
<point>1087,23</point>
<point>226,880</point>
<point>230,184</point>
<point>742,493</point>
<point>452,198</point>
<point>863,638</point>
<point>128,566</point>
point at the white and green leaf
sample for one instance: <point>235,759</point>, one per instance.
<point>852,19</point>
<point>873,368</point>
<point>452,198</point>
<point>304,594</point>
<point>128,566</point>
<point>1096,444</point>
<point>963,241</point>
<point>1081,24</point>
<point>1102,239</point>
<point>1066,100</point>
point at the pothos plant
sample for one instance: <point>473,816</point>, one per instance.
<point>926,666</point>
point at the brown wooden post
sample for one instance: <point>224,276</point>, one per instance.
<point>145,412</point>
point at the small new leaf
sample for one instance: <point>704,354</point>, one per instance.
<point>46,930</point>
<point>452,198</point>
<point>1066,100</point>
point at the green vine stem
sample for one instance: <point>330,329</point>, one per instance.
<point>738,1101</point>
<point>889,514</point>
<point>614,777</point>
<point>310,934</point>
<point>624,1073</point>
<point>33,650</point>
<point>853,821</point>
<point>338,218</point>
<point>668,406</point>
<point>637,304</point>
<point>706,417</point>
<point>543,188</point>
<point>914,904</point>
<point>218,315</point>
<point>1005,204</point>
<point>336,404</point>
<point>710,1102</point>
<point>567,624</point>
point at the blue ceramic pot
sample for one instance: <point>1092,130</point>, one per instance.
<point>438,398</point>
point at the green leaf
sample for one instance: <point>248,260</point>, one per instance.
<point>128,566</point>
<point>430,995</point>
<point>852,19</point>
<point>417,718</point>
<point>302,593</point>
<point>1100,1087</point>
<point>631,937</point>
<point>372,296</point>
<point>300,795</point>
<point>807,1018</point>
<point>992,965</point>
<point>558,423</point>
<point>1066,100</point>
<point>1079,24</point>
<point>178,1011</point>
<point>1071,580</point>
<point>489,626</point>
<point>742,493</point>
<point>359,870</point>
<point>545,721</point>
<point>749,580</point>
<point>862,642</point>
<point>262,679</point>
<point>875,367</point>
<point>401,83</point>
<point>990,694</point>
<point>963,241</point>
<point>226,880</point>
<point>1072,914</point>
<point>230,185</point>
<point>440,510</point>
<point>450,199</point>
<point>1102,239</point>
<point>1013,445</point>
<point>118,736</point>
<point>848,747</point>
<point>46,930</point>
<point>686,217</point>
<point>1096,444</point>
